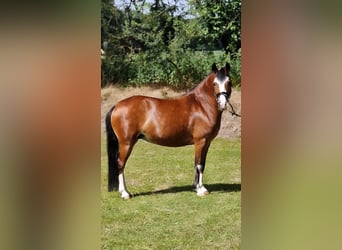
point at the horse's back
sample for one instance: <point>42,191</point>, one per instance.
<point>141,105</point>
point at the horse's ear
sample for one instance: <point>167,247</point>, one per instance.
<point>214,68</point>
<point>227,67</point>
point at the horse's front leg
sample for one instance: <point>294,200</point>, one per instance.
<point>201,150</point>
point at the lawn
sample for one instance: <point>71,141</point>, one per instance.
<point>165,213</point>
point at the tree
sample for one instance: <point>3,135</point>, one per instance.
<point>221,22</point>
<point>159,42</point>
<point>111,32</point>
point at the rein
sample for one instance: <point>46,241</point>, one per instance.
<point>233,111</point>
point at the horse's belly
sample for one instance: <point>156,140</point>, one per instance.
<point>167,129</point>
<point>169,140</point>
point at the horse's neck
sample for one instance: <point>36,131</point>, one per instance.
<point>205,88</point>
<point>205,94</point>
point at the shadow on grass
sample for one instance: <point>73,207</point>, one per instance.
<point>219,187</point>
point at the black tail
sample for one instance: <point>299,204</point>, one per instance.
<point>113,153</point>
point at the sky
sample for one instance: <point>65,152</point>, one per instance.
<point>182,4</point>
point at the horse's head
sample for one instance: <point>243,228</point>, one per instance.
<point>222,85</point>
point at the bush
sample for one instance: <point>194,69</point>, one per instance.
<point>156,44</point>
<point>182,69</point>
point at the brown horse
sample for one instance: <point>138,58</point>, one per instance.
<point>193,118</point>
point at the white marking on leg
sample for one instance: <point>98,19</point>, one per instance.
<point>200,189</point>
<point>122,187</point>
<point>200,180</point>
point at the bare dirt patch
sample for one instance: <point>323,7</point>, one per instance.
<point>230,125</point>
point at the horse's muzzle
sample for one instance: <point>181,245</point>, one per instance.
<point>222,100</point>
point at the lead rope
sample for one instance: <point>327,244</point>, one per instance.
<point>233,111</point>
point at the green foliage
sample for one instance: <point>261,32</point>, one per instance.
<point>235,73</point>
<point>180,68</point>
<point>221,22</point>
<point>159,44</point>
<point>111,31</point>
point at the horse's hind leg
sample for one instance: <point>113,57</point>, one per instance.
<point>124,152</point>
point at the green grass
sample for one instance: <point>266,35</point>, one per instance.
<point>165,213</point>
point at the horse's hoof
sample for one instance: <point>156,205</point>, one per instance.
<point>202,191</point>
<point>126,195</point>
<point>202,194</point>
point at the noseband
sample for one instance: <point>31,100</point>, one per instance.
<point>222,93</point>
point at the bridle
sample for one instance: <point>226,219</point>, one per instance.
<point>220,74</point>
<point>225,94</point>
